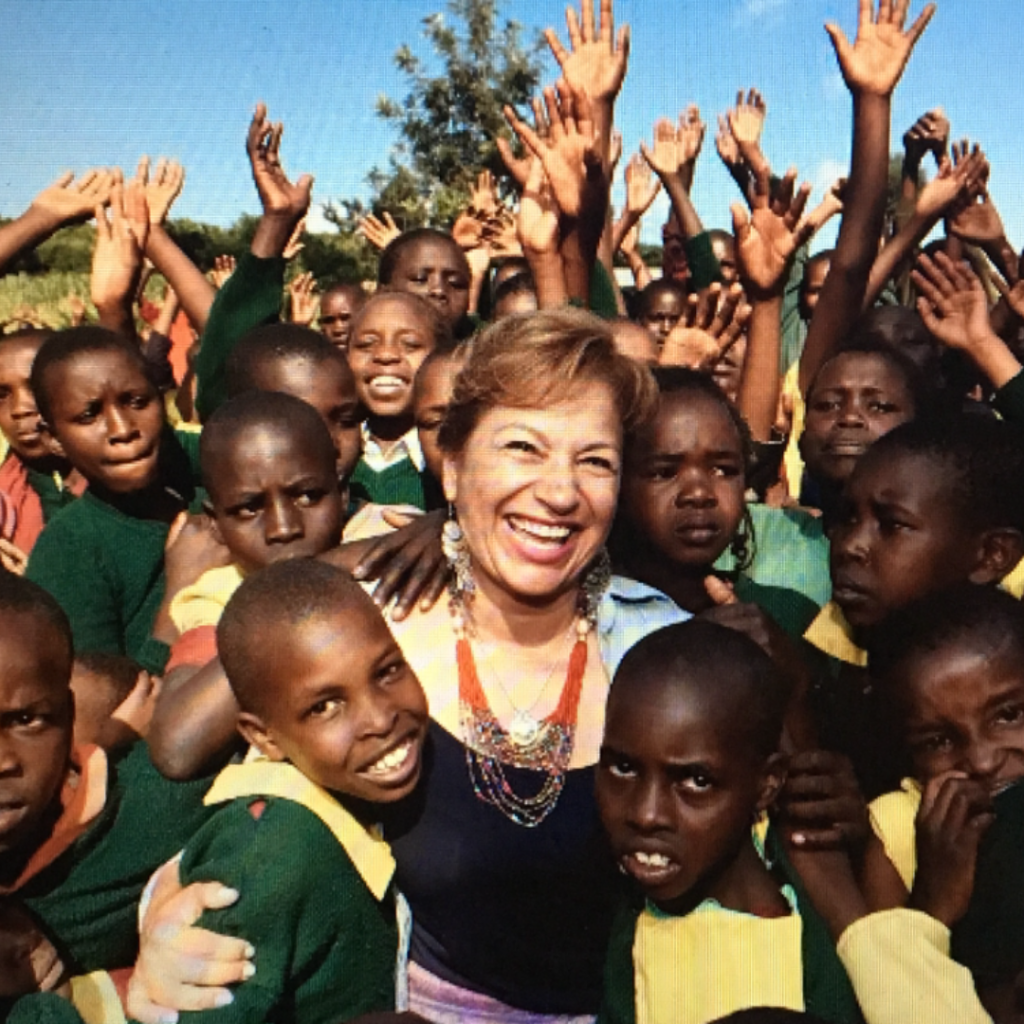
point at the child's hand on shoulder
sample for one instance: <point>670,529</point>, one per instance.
<point>191,549</point>
<point>954,815</point>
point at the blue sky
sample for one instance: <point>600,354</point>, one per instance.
<point>88,82</point>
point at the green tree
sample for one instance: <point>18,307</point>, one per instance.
<point>451,115</point>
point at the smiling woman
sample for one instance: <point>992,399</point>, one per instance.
<point>500,852</point>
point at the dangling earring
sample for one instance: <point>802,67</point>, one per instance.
<point>456,554</point>
<point>594,585</point>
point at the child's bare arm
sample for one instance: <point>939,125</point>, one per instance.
<point>640,193</point>
<point>746,124</point>
<point>162,187</point>
<point>935,199</point>
<point>766,245</point>
<point>928,134</point>
<point>673,158</point>
<point>64,202</point>
<point>954,308</point>
<point>871,68</point>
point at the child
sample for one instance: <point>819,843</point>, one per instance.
<point>932,504</point>
<point>102,685</point>
<point>952,666</point>
<point>103,557</point>
<point>689,760</point>
<point>432,391</point>
<point>661,306</point>
<point>339,304</point>
<point>339,719</point>
<point>272,494</point>
<point>296,361</point>
<point>393,334</point>
<point>856,397</point>
<point>683,507</point>
<point>80,834</point>
<point>429,263</point>
<point>34,482</point>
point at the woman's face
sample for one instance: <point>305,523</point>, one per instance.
<point>535,491</point>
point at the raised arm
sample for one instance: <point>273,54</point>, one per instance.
<point>162,187</point>
<point>871,67</point>
<point>766,245</point>
<point>64,202</point>
<point>673,157</point>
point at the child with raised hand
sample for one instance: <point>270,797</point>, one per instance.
<point>338,306</point>
<point>80,831</point>
<point>689,760</point>
<point>871,66</point>
<point>338,719</point>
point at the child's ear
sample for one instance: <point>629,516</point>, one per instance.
<point>999,551</point>
<point>773,778</point>
<point>256,734</point>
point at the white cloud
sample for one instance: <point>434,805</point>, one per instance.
<point>760,8</point>
<point>825,175</point>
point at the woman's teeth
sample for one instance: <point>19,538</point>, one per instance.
<point>540,531</point>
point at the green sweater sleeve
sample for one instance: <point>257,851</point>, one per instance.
<point>320,956</point>
<point>704,268</point>
<point>1009,400</point>
<point>251,296</point>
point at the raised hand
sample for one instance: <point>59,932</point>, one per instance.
<point>537,224</point>
<point>223,268</point>
<point>746,119</point>
<point>640,190</point>
<point>304,298</point>
<point>949,185</point>
<point>571,153</point>
<point>67,201</point>
<point>295,244</point>
<point>519,166</point>
<point>929,133</point>
<point>279,196</point>
<point>767,242</point>
<point>954,814</point>
<point>727,146</point>
<point>162,187</point>
<point>952,302</point>
<point>1013,294</point>
<point>117,255</point>
<point>483,199</point>
<point>822,803</point>
<point>874,62</point>
<point>596,62</point>
<point>831,204</point>
<point>711,324</point>
<point>378,232</point>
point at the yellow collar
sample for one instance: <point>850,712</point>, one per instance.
<point>370,854</point>
<point>831,633</point>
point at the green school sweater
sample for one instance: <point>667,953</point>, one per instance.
<point>399,484</point>
<point>251,296</point>
<point>106,569</point>
<point>87,898</point>
<point>324,930</point>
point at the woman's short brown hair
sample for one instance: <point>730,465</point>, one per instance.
<point>533,360</point>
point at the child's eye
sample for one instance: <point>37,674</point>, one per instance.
<point>139,401</point>
<point>325,708</point>
<point>890,526</point>
<point>696,780</point>
<point>392,669</point>
<point>937,743</point>
<point>884,407</point>
<point>310,497</point>
<point>726,470</point>
<point>1012,714</point>
<point>5,393</point>
<point>26,721</point>
<point>617,766</point>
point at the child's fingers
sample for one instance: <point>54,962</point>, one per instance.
<point>719,591</point>
<point>818,838</point>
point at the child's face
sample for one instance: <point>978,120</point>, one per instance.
<point>898,538</point>
<point>272,497</point>
<point>684,481</point>
<point>436,269</point>
<point>336,312</point>
<point>857,398</point>
<point>36,715</point>
<point>330,388</point>
<point>662,314</point>
<point>19,417</point>
<point>387,347</point>
<point>347,710</point>
<point>434,385</point>
<point>965,713</point>
<point>107,418</point>
<point>811,285</point>
<point>678,788</point>
<point>728,371</point>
